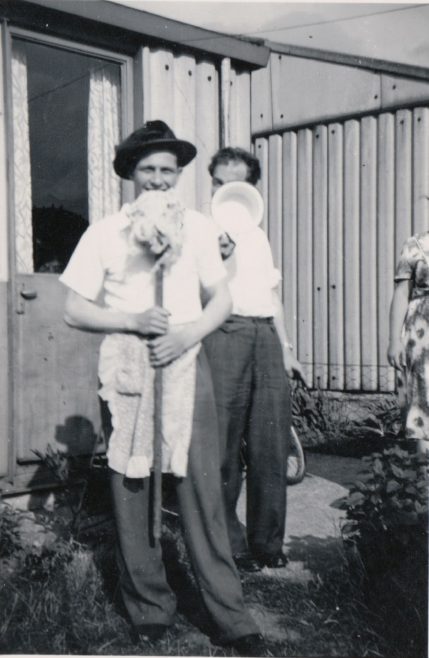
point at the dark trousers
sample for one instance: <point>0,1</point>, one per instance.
<point>253,401</point>
<point>146,593</point>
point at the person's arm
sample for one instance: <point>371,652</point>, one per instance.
<point>398,310</point>
<point>170,346</point>
<point>82,313</point>
<point>292,365</point>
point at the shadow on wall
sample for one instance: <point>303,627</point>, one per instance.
<point>67,461</point>
<point>77,435</point>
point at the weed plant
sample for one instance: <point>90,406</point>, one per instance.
<point>343,424</point>
<point>10,541</point>
<point>83,484</point>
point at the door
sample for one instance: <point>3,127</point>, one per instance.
<point>66,121</point>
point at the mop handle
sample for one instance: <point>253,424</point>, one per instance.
<point>157,423</point>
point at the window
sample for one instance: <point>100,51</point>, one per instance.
<point>66,123</point>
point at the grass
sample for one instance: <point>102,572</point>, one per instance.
<point>324,618</point>
<point>64,601</point>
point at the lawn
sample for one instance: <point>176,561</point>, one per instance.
<point>63,600</point>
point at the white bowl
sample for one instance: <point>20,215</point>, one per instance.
<point>237,207</point>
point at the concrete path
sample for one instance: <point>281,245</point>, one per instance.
<point>313,524</point>
<point>313,504</point>
<point>313,533</point>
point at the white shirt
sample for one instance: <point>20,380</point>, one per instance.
<point>102,267</point>
<point>252,276</point>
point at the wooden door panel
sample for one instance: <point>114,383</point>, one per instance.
<point>56,374</point>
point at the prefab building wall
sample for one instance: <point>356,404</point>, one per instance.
<point>49,376</point>
<point>186,92</point>
<point>345,182</point>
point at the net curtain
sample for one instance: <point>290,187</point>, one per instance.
<point>21,161</point>
<point>104,189</point>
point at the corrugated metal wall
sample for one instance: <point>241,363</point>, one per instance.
<point>185,92</point>
<point>341,198</point>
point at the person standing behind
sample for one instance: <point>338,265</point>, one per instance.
<point>108,265</point>
<point>250,356</point>
<point>408,349</point>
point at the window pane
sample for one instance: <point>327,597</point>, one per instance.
<point>58,97</point>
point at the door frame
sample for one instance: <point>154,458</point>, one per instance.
<point>127,117</point>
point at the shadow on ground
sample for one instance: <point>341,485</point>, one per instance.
<point>316,554</point>
<point>341,470</point>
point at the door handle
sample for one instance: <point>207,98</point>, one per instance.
<point>25,294</point>
<point>28,294</point>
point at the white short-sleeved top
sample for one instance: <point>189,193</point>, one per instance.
<point>103,267</point>
<point>252,276</point>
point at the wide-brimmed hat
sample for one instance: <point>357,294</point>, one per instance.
<point>153,135</point>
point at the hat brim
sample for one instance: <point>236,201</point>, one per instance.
<point>128,156</point>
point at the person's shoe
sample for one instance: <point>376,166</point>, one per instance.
<point>250,645</point>
<point>245,562</point>
<point>277,561</point>
<point>148,632</point>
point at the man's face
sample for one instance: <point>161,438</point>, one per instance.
<point>228,173</point>
<point>156,171</point>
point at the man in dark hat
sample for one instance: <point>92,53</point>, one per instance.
<point>111,264</point>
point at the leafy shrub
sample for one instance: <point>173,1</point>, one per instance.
<point>389,498</point>
<point>387,530</point>
<point>10,541</point>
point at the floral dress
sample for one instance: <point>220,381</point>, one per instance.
<point>413,383</point>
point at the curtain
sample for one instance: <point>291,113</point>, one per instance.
<point>104,188</point>
<point>21,161</point>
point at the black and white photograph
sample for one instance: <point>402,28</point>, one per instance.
<point>214,334</point>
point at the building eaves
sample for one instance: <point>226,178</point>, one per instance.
<point>369,63</point>
<point>143,25</point>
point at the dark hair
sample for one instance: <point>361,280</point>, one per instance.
<point>230,154</point>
